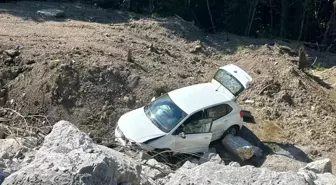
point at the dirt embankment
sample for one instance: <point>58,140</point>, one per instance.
<point>90,69</point>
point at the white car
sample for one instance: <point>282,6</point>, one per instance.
<point>186,120</point>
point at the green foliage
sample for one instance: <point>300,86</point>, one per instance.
<point>318,67</point>
<point>240,47</point>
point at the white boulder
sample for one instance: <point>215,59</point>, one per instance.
<point>325,179</point>
<point>68,156</point>
<point>214,173</point>
<point>319,166</point>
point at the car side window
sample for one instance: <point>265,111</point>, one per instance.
<point>218,111</point>
<point>197,123</point>
<point>195,117</point>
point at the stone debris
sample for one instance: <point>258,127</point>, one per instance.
<point>69,156</point>
<point>12,53</point>
<point>208,156</point>
<point>320,166</point>
<point>155,170</point>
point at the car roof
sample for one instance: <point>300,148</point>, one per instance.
<point>196,97</point>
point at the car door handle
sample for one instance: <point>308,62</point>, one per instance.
<point>206,137</point>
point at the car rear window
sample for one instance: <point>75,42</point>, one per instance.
<point>229,82</point>
<point>218,111</point>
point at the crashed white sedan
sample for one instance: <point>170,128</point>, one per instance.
<point>186,120</point>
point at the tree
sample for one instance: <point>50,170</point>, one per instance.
<point>283,18</point>
<point>329,25</point>
<point>304,20</point>
<point>252,11</point>
<point>210,15</point>
<point>304,7</point>
<point>271,17</point>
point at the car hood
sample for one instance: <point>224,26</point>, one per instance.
<point>136,126</point>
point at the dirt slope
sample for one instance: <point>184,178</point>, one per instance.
<point>96,64</point>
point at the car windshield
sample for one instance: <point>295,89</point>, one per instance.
<point>229,82</point>
<point>164,113</point>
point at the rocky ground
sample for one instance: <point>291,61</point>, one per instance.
<point>69,156</point>
<point>93,65</point>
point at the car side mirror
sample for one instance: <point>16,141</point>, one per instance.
<point>182,135</point>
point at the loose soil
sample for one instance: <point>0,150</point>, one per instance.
<point>94,65</point>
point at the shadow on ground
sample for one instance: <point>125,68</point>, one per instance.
<point>319,80</point>
<point>268,148</point>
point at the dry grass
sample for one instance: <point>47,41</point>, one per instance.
<point>17,125</point>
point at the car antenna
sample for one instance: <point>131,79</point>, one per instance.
<point>217,88</point>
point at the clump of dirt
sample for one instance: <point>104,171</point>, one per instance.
<point>90,70</point>
<point>85,94</point>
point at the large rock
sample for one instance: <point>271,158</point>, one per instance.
<point>68,156</point>
<point>320,166</point>
<point>238,146</point>
<point>318,179</point>
<point>325,179</point>
<point>214,173</point>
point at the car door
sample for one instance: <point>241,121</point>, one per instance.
<point>221,117</point>
<point>194,135</point>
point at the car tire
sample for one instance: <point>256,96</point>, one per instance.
<point>233,130</point>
